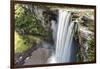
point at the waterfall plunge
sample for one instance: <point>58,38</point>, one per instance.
<point>64,40</point>
<point>66,29</point>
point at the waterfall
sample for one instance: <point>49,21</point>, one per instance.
<point>64,42</point>
<point>66,29</point>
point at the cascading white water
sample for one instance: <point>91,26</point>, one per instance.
<point>66,29</point>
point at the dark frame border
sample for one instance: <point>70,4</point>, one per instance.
<point>44,3</point>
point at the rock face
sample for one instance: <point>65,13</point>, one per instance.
<point>40,56</point>
<point>44,14</point>
<point>84,36</point>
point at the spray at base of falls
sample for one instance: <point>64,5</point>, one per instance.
<point>52,59</point>
<point>65,32</point>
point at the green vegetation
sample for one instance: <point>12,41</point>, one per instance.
<point>91,49</point>
<point>28,29</point>
<point>26,22</point>
<point>21,45</point>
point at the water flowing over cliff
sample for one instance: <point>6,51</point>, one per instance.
<point>64,39</point>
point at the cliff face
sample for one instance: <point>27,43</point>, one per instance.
<point>85,36</point>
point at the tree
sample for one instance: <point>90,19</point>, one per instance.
<point>26,23</point>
